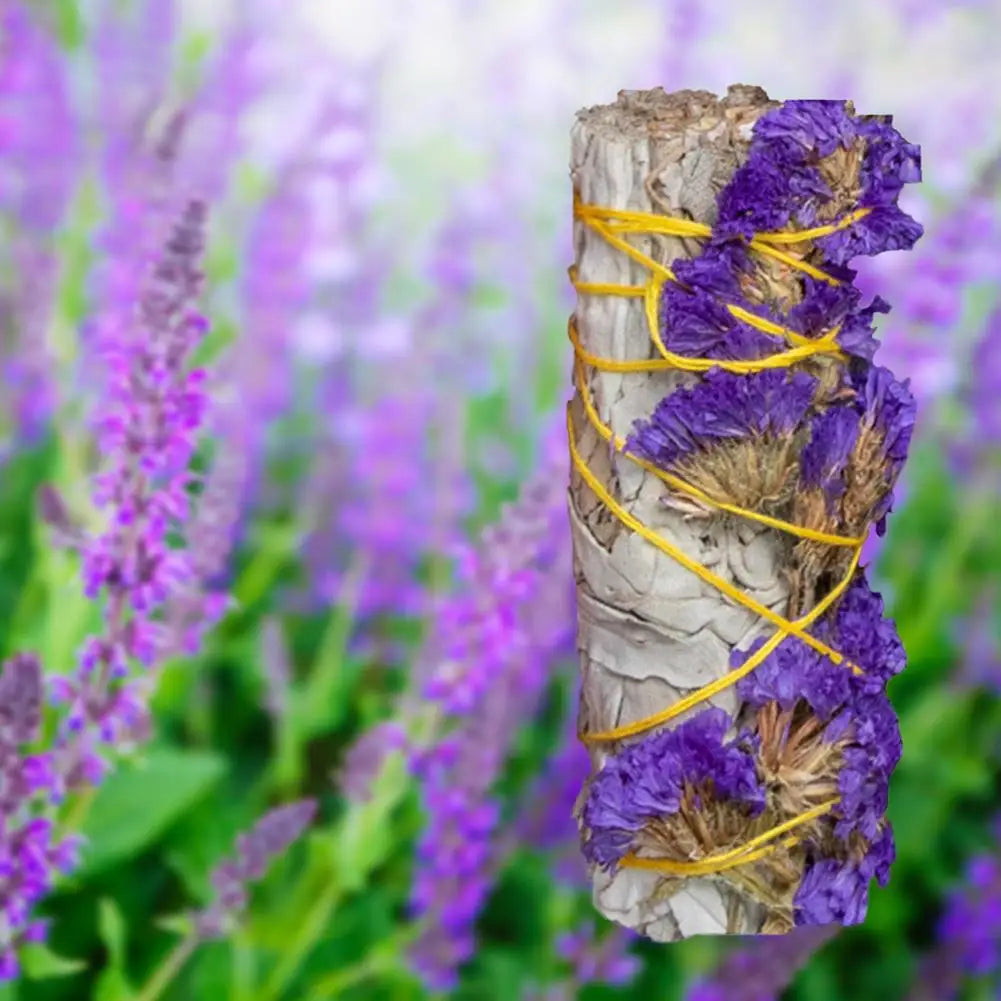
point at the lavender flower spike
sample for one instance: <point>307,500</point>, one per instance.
<point>31,856</point>
<point>268,839</point>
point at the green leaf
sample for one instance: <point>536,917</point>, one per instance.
<point>138,803</point>
<point>364,839</point>
<point>177,924</point>
<point>113,985</point>
<point>111,927</point>
<point>41,963</point>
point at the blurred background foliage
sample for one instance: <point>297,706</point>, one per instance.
<point>389,232</point>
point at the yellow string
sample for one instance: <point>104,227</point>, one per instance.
<point>797,629</point>
<point>609,223</point>
<point>682,486</point>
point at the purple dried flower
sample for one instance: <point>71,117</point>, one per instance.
<point>889,407</point>
<point>838,892</point>
<point>267,840</point>
<point>792,672</point>
<point>722,406</point>
<point>833,434</point>
<point>696,324</point>
<point>648,778</point>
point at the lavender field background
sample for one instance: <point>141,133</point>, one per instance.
<point>286,606</point>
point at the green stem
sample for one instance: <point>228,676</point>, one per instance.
<point>168,969</point>
<point>307,936</point>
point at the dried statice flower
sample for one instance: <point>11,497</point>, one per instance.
<point>862,725</point>
<point>267,840</point>
<point>837,892</point>
<point>857,629</point>
<point>722,406</point>
<point>649,779</point>
<point>833,435</point>
<point>808,162</point>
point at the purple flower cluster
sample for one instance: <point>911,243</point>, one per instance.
<point>32,855</point>
<point>780,184</point>
<point>648,779</point>
<point>832,890</point>
<point>147,429</point>
<point>969,933</point>
<point>39,157</point>
<point>838,892</point>
<point>267,840</point>
<point>795,671</point>
<point>882,404</point>
<point>762,969</point>
<point>723,406</point>
<point>487,664</point>
<point>147,426</point>
<point>605,960</point>
<point>833,435</point>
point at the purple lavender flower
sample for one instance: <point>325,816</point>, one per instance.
<point>972,920</point>
<point>599,960</point>
<point>147,427</point>
<point>39,158</point>
<point>147,431</point>
<point>267,840</point>
<point>722,406</point>
<point>975,450</point>
<point>485,668</point>
<point>648,778</point>
<point>32,856</point>
<point>763,968</point>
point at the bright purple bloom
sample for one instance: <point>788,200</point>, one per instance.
<point>648,778</point>
<point>723,406</point>
<point>833,435</point>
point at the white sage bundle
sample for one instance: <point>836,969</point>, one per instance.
<point>732,441</point>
